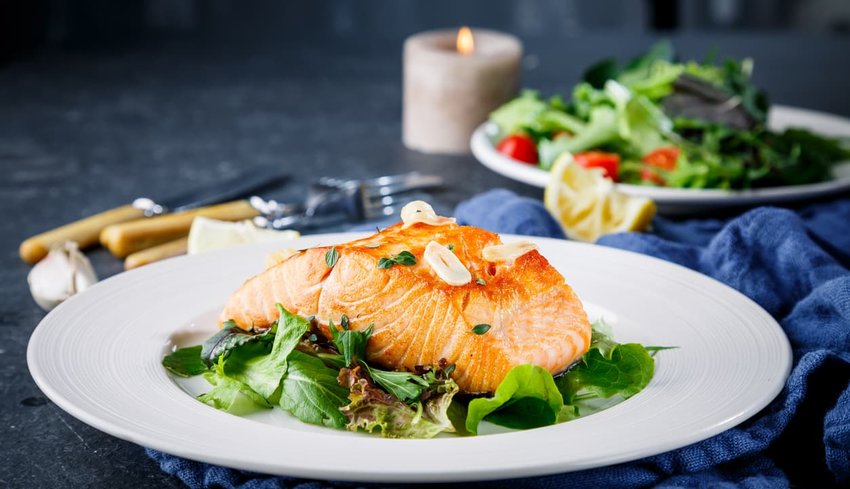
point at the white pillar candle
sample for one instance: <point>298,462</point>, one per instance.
<point>447,93</point>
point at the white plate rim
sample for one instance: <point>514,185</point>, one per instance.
<point>474,468</point>
<point>780,117</point>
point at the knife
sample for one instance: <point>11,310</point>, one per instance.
<point>154,213</point>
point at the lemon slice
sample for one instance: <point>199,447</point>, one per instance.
<point>588,205</point>
<point>210,234</point>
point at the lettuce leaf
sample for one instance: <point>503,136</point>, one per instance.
<point>372,409</point>
<point>526,398</point>
<point>608,369</point>
<point>230,395</point>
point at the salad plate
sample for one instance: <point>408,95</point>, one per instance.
<point>683,200</point>
<point>97,356</point>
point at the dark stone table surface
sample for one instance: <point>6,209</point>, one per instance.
<point>81,132</point>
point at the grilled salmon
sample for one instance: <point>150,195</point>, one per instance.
<point>418,318</point>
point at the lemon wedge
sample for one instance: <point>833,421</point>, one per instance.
<point>588,205</point>
<point>211,234</point>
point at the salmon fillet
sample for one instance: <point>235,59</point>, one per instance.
<point>418,318</point>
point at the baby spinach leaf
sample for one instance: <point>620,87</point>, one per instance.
<point>225,340</point>
<point>310,391</point>
<point>185,362</point>
<point>522,382</point>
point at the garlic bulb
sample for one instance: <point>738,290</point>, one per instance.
<point>421,211</point>
<point>446,264</point>
<point>61,274</point>
<point>507,252</point>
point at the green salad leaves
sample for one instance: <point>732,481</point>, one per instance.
<point>330,383</point>
<point>708,120</point>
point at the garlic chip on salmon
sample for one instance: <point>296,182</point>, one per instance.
<point>446,264</point>
<point>507,252</point>
<point>421,211</point>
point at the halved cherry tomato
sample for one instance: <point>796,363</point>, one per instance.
<point>648,174</point>
<point>664,158</point>
<point>609,162</point>
<point>519,147</point>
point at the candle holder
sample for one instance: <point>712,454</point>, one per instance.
<point>452,81</point>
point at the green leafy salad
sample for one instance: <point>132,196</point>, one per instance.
<point>656,121</point>
<point>328,381</point>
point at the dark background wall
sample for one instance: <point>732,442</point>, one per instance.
<point>28,26</point>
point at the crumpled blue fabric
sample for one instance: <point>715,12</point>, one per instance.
<point>792,263</point>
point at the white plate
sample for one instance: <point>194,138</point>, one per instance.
<point>97,356</point>
<point>678,200</point>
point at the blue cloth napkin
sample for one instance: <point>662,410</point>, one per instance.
<point>792,263</point>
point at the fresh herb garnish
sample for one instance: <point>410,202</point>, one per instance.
<point>480,329</point>
<point>331,256</point>
<point>480,281</point>
<point>451,247</point>
<point>403,258</point>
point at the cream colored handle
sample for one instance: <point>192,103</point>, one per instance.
<point>129,237</point>
<point>156,253</point>
<point>85,232</point>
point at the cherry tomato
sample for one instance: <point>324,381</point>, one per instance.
<point>664,158</point>
<point>660,159</point>
<point>609,162</point>
<point>648,174</point>
<point>519,147</point>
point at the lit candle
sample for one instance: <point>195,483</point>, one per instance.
<point>452,81</point>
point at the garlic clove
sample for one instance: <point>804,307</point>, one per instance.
<point>446,264</point>
<point>64,272</point>
<point>507,252</point>
<point>421,211</point>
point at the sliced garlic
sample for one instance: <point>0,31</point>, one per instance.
<point>421,211</point>
<point>61,274</point>
<point>446,264</point>
<point>507,252</point>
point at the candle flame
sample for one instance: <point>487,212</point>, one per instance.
<point>465,42</point>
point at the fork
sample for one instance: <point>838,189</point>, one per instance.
<point>332,201</point>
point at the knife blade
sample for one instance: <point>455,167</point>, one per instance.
<point>87,232</point>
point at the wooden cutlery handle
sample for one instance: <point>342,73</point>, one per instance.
<point>129,237</point>
<point>156,253</point>
<point>85,232</point>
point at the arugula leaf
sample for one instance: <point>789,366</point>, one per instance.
<point>185,362</point>
<point>231,395</point>
<point>527,396</point>
<point>351,344</point>
<point>406,386</point>
<point>371,409</point>
<point>229,337</point>
<point>310,391</point>
<point>263,372</point>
